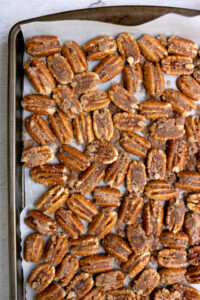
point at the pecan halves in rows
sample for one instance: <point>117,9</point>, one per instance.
<point>96,263</point>
<point>83,128</point>
<point>56,248</point>
<point>146,282</point>
<point>193,202</point>
<point>156,164</point>
<point>160,190</point>
<point>79,286</point>
<point>84,245</point>
<point>94,100</point>
<point>41,277</point>
<point>167,129</point>
<point>153,214</point>
<point>135,144</point>
<point>106,196</point>
<point>33,247</point>
<point>50,174</point>
<point>172,258</point>
<point>177,65</point>
<point>60,68</point>
<point>102,124</point>
<point>43,45</point>
<point>101,152</point>
<point>39,104</point>
<point>181,46</point>
<point>110,280</point>
<point>129,122</point>
<point>136,177</point>
<point>169,276</point>
<point>128,48</point>
<point>37,156</point>
<point>120,294</point>
<point>192,129</point>
<point>177,240</point>
<point>175,215</point>
<point>194,256</point>
<point>85,82</point>
<point>66,270</point>
<point>95,294</point>
<point>155,109</point>
<point>193,275</point>
<point>136,263</point>
<point>132,77</point>
<point>189,181</point>
<point>137,238</point>
<point>192,227</point>
<point>153,79</point>
<point>189,87</point>
<point>181,291</point>
<point>176,155</point>
<point>54,290</point>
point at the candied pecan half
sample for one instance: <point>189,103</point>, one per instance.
<point>39,104</point>
<point>83,128</point>
<point>146,282</point>
<point>33,247</point>
<point>193,275</point>
<point>136,263</point>
<point>137,238</point>
<point>85,82</point>
<point>136,177</point>
<point>169,276</point>
<point>155,109</point>
<point>66,270</point>
<point>101,152</point>
<point>37,156</point>
<point>194,256</point>
<point>128,48</point>
<point>102,124</point>
<point>167,129</point>
<point>121,294</point>
<point>60,68</point>
<point>192,129</point>
<point>173,240</point>
<point>50,174</point>
<point>162,294</point>
<point>177,65</point>
<point>94,100</point>
<point>153,214</point>
<point>172,258</point>
<point>130,208</point>
<point>84,245</point>
<point>79,286</point>
<point>156,164</point>
<point>97,263</point>
<point>54,291</point>
<point>175,215</point>
<point>43,45</point>
<point>56,248</point>
<point>181,46</point>
<point>176,155</point>
<point>135,144</point>
<point>193,202</point>
<point>189,87</point>
<point>192,227</point>
<point>107,197</point>
<point>110,280</point>
<point>185,292</point>
<point>160,190</point>
<point>153,79</point>
<point>132,77</point>
<point>129,122</point>
<point>189,181</point>
<point>41,277</point>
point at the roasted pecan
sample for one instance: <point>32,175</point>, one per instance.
<point>82,207</point>
<point>146,282</point>
<point>162,294</point>
<point>75,56</point>
<point>155,109</point>
<point>54,291</point>
<point>95,294</point>
<point>175,215</point>
<point>60,68</point>
<point>160,190</point>
<point>40,223</point>
<point>193,202</point>
<point>37,156</point>
<point>173,240</point>
<point>56,248</point>
<point>192,227</point>
<point>33,247</point>
<point>153,79</point>
<point>172,258</point>
<point>102,124</point>
<point>101,152</point>
<point>136,177</point>
<point>153,214</point>
<point>100,47</point>
<point>69,223</point>
<point>130,208</point>
<point>103,223</point>
<point>136,263</point>
<point>39,104</point>
<point>94,100</point>
<point>109,67</point>
<point>194,256</point>
<point>132,76</point>
<point>115,174</point>
<point>193,275</point>
<point>137,238</point>
<point>43,45</point>
<point>84,245</point>
<point>120,294</point>
<point>79,286</point>
<point>39,76</point>
<point>41,277</point>
<point>67,101</point>
<point>67,269</point>
<point>50,174</point>
<point>177,65</point>
<point>181,46</point>
<point>192,129</point>
<point>151,48</point>
<point>129,122</point>
<point>96,263</point>
<point>83,128</point>
<point>107,197</point>
<point>167,129</point>
<point>135,144</point>
<point>110,280</point>
<point>156,164</point>
<point>128,48</point>
<point>85,82</point>
<point>189,87</point>
<point>169,276</point>
<point>185,292</point>
<point>189,181</point>
<point>176,155</point>
<point>39,130</point>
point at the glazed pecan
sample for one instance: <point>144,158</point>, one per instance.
<point>155,109</point>
<point>75,56</point>
<point>101,152</point>
<point>66,270</point>
<point>33,247</point>
<point>176,155</point>
<point>56,248</point>
<point>193,275</point>
<point>50,174</point>
<point>39,76</point>
<point>39,104</point>
<point>130,208</point>
<point>177,65</point>
<point>115,174</point>
<point>172,258</point>
<point>192,129</point>
<point>109,67</point>
<point>135,144</point>
<point>153,214</point>
<point>160,190</point>
<point>97,263</point>
<point>82,207</point>
<point>60,68</point>
<point>103,223</point>
<point>136,263</point>
<point>79,286</point>
<point>169,276</point>
<point>137,238</point>
<point>173,240</point>
<point>192,227</point>
<point>194,256</point>
<point>185,292</point>
<point>107,197</point>
<point>181,46</point>
<point>128,48</point>
<point>162,294</point>
<point>153,79</point>
<point>146,282</point>
<point>132,77</point>
<point>189,181</point>
<point>120,294</point>
<point>100,47</point>
<point>193,202</point>
<point>110,280</point>
<point>136,177</point>
<point>83,128</point>
<point>85,82</point>
<point>39,130</point>
<point>54,291</point>
<point>41,277</point>
<point>156,164</point>
<point>175,215</point>
<point>94,100</point>
<point>84,245</point>
<point>37,156</point>
<point>189,87</point>
<point>69,223</point>
<point>167,129</point>
<point>95,294</point>
<point>102,124</point>
<point>40,223</point>
<point>43,45</point>
<point>129,122</point>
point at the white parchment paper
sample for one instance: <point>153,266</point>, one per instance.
<point>82,31</point>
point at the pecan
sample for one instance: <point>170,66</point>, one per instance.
<point>175,215</point>
<point>33,247</point>
<point>110,280</point>
<point>181,46</point>
<point>177,65</point>
<point>39,76</point>
<point>132,76</point>
<point>41,277</point>
<point>129,122</point>
<point>136,177</point>
<point>155,109</point>
<point>116,246</point>
<point>192,227</point>
<point>50,174</point>
<point>185,292</point>
<point>56,248</point>
<point>109,67</point>
<point>169,276</point>
<point>83,128</point>
<point>94,100</point>
<point>130,208</point>
<point>153,79</point>
<point>153,214</point>
<point>62,127</point>
<point>82,207</point>
<point>120,294</point>
<point>69,223</point>
<point>40,223</point>
<point>101,152</point>
<point>100,47</point>
<point>176,155</point>
<point>123,99</point>
<point>162,294</point>
<point>84,245</point>
<point>173,240</point>
<point>194,256</point>
<point>85,82</point>
<point>192,129</point>
<point>39,104</point>
<point>115,174</point>
<point>79,286</point>
<point>180,103</point>
<point>96,263</point>
<point>167,129</point>
<point>128,48</point>
<point>137,238</point>
<point>90,178</point>
<point>72,158</point>
<point>75,56</point>
<point>66,101</point>
<point>107,197</point>
<point>103,223</point>
<point>146,282</point>
<point>52,199</point>
<point>189,87</point>
<point>162,39</point>
<point>67,269</point>
<point>102,124</point>
<point>151,48</point>
<point>193,275</point>
<point>196,74</point>
<point>189,181</point>
<point>160,190</point>
<point>156,164</point>
<point>95,294</point>
<point>43,45</point>
<point>193,202</point>
<point>39,130</point>
<point>60,68</point>
<point>172,258</point>
<point>37,156</point>
<point>136,263</point>
<point>54,291</point>
<point>135,144</point>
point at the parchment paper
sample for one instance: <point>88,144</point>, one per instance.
<point>82,31</point>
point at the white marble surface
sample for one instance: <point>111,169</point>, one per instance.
<point>11,12</point>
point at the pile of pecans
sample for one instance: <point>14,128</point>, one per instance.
<point>134,228</point>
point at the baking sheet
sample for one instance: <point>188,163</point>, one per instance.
<point>82,31</point>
